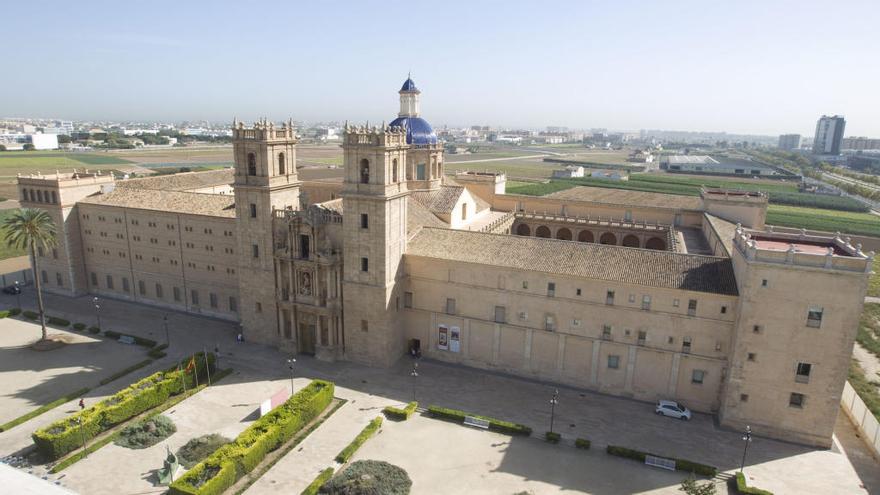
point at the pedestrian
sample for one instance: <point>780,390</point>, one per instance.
<point>82,404</point>
<point>239,338</point>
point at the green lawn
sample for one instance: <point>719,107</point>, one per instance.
<point>824,220</point>
<point>515,168</point>
<point>6,251</point>
<point>25,162</point>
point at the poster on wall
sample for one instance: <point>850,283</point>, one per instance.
<point>455,339</point>
<point>443,341</point>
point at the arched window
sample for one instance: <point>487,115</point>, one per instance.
<point>365,171</point>
<point>252,164</point>
<point>281,167</point>
<point>394,170</point>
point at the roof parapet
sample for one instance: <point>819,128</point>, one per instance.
<point>831,253</point>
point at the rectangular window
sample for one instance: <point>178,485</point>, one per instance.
<point>692,307</point>
<point>675,303</point>
<point>643,337</point>
<point>194,297</point>
<point>814,317</point>
<point>609,297</point>
<point>159,291</point>
<point>500,314</point>
<point>606,332</point>
<point>697,376</point>
<point>550,323</point>
<point>525,284</point>
<point>613,362</point>
<point>450,306</point>
<point>55,253</point>
<point>125,286</point>
<point>58,280</point>
<point>686,344</point>
<point>176,292</point>
<point>304,246</point>
<point>578,292</point>
<point>233,304</point>
<point>253,210</point>
<point>420,171</point>
<point>723,309</point>
<point>365,265</point>
<point>632,298</point>
<point>757,329</point>
<point>212,299</point>
<point>743,397</point>
<point>551,289</point>
<point>764,283</point>
<point>256,251</point>
<point>109,281</point>
<point>751,356</point>
<point>407,299</point>
<point>94,278</point>
<point>365,221</point>
<point>646,302</point>
<point>796,400</point>
<point>364,326</point>
<point>142,288</point>
<point>802,374</point>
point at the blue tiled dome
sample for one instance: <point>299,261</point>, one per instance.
<point>418,130</point>
<point>409,85</point>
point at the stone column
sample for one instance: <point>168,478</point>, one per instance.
<point>673,375</point>
<point>594,363</point>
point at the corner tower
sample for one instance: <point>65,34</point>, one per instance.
<point>374,198</point>
<point>424,166</point>
<point>265,181</point>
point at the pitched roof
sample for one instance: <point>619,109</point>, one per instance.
<point>724,230</point>
<point>612,263</point>
<point>186,181</point>
<point>440,200</point>
<point>214,205</point>
<point>623,197</point>
<point>418,216</point>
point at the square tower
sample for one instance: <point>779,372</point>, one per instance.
<point>265,181</point>
<point>374,199</point>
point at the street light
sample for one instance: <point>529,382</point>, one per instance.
<point>553,402</point>
<point>97,311</point>
<point>415,374</point>
<point>167,338</point>
<point>82,436</point>
<point>290,363</point>
<point>18,293</point>
<point>747,439</point>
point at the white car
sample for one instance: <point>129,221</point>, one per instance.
<point>672,409</point>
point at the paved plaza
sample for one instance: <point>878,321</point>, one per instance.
<point>440,457</point>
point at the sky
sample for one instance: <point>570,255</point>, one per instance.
<point>759,67</point>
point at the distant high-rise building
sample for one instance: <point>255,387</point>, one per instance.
<point>789,141</point>
<point>829,134</point>
<point>860,143</point>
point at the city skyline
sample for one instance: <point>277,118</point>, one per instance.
<point>577,65</point>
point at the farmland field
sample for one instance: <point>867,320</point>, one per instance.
<point>13,162</point>
<point>824,220</point>
<point>532,168</point>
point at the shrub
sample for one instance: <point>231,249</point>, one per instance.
<point>146,433</point>
<point>197,449</point>
<point>67,434</point>
<point>552,437</point>
<point>14,311</point>
<point>359,440</point>
<point>744,488</point>
<point>369,477</point>
<point>398,414</point>
<point>680,464</point>
<point>494,424</point>
<point>316,485</point>
<point>232,461</point>
<point>137,340</point>
<point>94,330</point>
<point>4,314</point>
<point>582,443</point>
<point>30,315</point>
<point>79,327</point>
<point>58,322</point>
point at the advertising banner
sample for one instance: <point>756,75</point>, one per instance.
<point>443,340</point>
<point>455,339</point>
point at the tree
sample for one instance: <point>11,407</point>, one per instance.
<point>31,228</point>
<point>2,148</point>
<point>690,487</point>
<point>29,147</point>
<point>63,139</point>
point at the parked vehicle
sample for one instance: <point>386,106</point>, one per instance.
<point>12,289</point>
<point>672,409</point>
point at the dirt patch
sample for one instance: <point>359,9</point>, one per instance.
<point>52,342</point>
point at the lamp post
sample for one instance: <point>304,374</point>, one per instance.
<point>18,293</point>
<point>97,311</point>
<point>553,401</point>
<point>290,363</point>
<point>82,436</point>
<point>747,439</point>
<point>414,374</point>
<point>167,337</point>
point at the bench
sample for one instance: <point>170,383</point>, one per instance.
<point>126,339</point>
<point>660,462</point>
<point>476,422</point>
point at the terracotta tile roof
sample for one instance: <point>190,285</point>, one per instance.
<point>214,205</point>
<point>440,200</point>
<point>612,263</point>
<point>186,181</point>
<point>417,216</point>
<point>625,197</point>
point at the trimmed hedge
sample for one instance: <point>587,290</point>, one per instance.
<point>14,311</point>
<point>58,322</point>
<point>48,407</point>
<point>5,314</point>
<point>316,485</point>
<point>745,489</point>
<point>359,440</point>
<point>582,443</point>
<point>229,463</point>
<point>79,327</point>
<point>94,330</point>
<point>494,424</point>
<point>65,435</point>
<point>398,414</point>
<point>137,340</point>
<point>552,437</point>
<point>680,464</point>
<point>30,315</point>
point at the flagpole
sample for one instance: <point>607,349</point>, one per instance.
<point>182,378</point>
<point>207,365</point>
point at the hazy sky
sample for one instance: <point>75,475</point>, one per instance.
<point>763,67</point>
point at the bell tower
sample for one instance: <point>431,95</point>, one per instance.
<point>265,181</point>
<point>374,199</point>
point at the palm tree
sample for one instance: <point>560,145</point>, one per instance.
<point>31,228</point>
